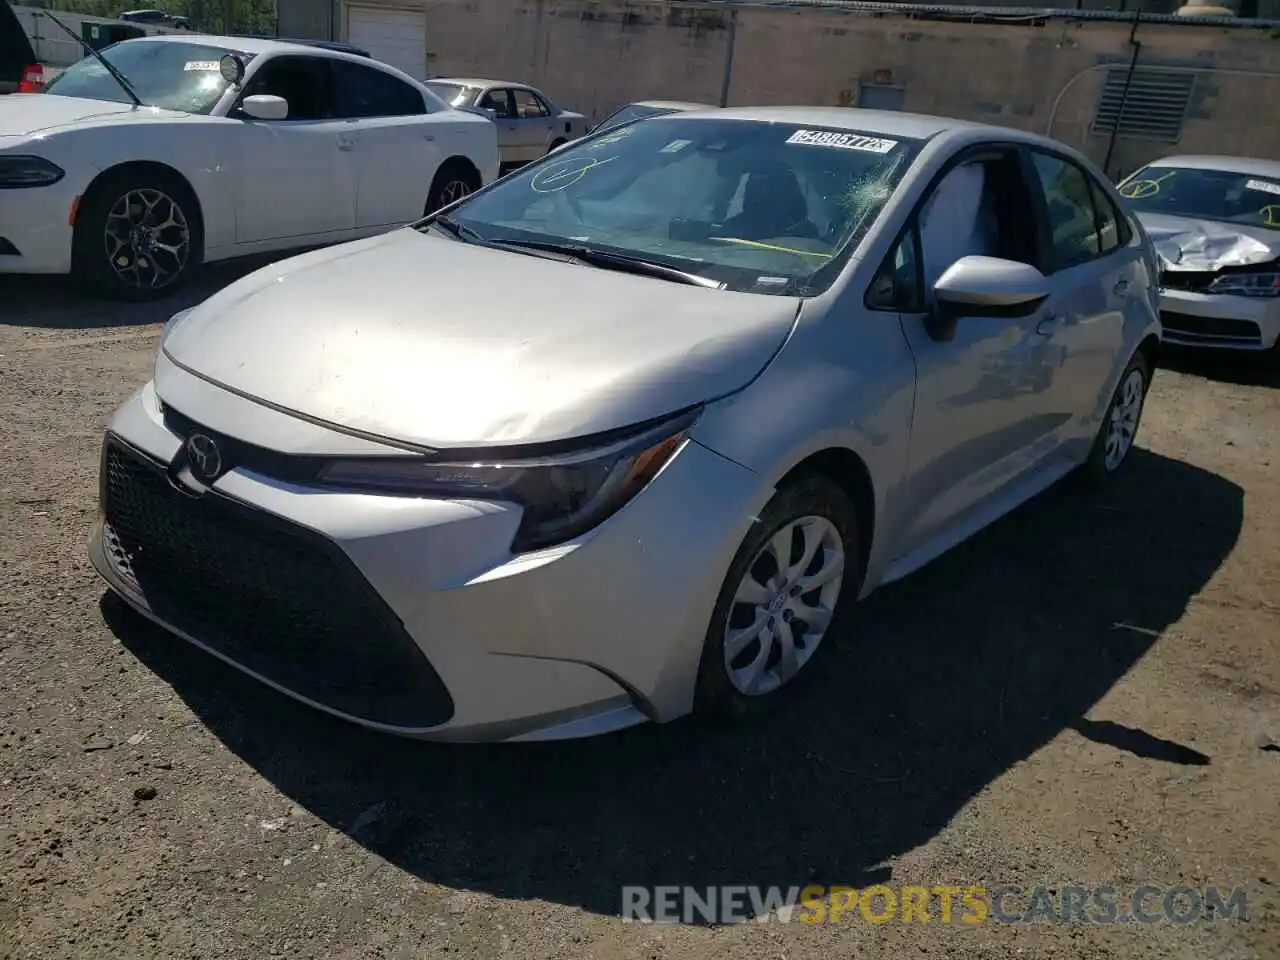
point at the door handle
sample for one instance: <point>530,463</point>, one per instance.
<point>1121,288</point>
<point>1048,325</point>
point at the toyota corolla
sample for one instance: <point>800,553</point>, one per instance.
<point>623,436</point>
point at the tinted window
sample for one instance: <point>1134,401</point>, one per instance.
<point>768,208</point>
<point>366,92</point>
<point>632,111</point>
<point>1113,229</point>
<point>499,101</point>
<point>1207,194</point>
<point>1068,196</point>
<point>528,105</point>
<point>176,76</point>
<point>454,94</point>
<point>304,82</point>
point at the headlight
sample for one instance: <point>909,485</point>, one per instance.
<point>18,172</point>
<point>1264,284</point>
<point>563,495</point>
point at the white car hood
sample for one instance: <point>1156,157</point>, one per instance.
<point>435,343</point>
<point>31,114</point>
<point>1186,243</point>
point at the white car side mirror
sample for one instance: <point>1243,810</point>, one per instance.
<point>265,107</point>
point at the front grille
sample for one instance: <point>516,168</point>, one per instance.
<point>1192,281</point>
<point>1210,330</point>
<point>277,598</point>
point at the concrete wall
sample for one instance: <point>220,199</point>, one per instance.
<point>593,55</point>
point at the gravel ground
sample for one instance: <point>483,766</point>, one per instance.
<point>1087,693</point>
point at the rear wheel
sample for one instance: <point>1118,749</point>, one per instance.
<point>454,180</point>
<point>138,236</point>
<point>1119,429</point>
<point>793,571</point>
<point>556,145</point>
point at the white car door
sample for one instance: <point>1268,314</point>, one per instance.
<point>534,123</point>
<point>294,176</point>
<point>396,153</point>
<point>498,99</point>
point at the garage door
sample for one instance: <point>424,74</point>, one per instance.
<point>397,37</point>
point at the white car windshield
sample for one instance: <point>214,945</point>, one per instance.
<point>774,208</point>
<point>176,76</point>
<point>1243,198</point>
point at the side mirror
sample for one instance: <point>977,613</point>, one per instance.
<point>985,287</point>
<point>265,107</point>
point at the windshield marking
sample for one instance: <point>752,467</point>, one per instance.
<point>562,175</point>
<point>757,245</point>
<point>1270,214</point>
<point>842,141</point>
<point>1263,186</point>
<point>1143,189</point>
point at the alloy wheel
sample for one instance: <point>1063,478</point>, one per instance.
<point>454,190</point>
<point>147,239</point>
<point>783,605</point>
<point>1123,425</point>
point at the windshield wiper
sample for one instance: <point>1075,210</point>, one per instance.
<point>457,230</point>
<point>609,260</point>
<point>97,55</point>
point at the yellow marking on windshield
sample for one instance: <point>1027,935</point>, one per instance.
<point>771,246</point>
<point>1142,189</point>
<point>1270,214</point>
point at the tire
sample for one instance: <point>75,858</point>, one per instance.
<point>556,145</point>
<point>1105,462</point>
<point>454,180</point>
<point>830,516</point>
<point>139,235</point>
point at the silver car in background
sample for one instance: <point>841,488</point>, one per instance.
<point>807,351</point>
<point>530,125</point>
<point>1215,223</point>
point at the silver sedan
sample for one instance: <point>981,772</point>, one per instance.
<point>409,481</point>
<point>1215,223</point>
<point>530,125</point>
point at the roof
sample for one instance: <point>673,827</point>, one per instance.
<point>916,126</point>
<point>253,45</point>
<point>673,104</point>
<point>476,82</point>
<point>1247,165</point>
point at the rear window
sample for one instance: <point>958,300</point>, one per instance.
<point>633,111</point>
<point>1229,197</point>
<point>454,94</point>
<point>15,48</point>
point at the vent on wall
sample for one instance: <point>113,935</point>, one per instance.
<point>1154,108</point>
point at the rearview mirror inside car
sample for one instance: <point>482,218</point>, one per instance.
<point>265,107</point>
<point>985,287</point>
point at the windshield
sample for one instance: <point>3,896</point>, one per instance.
<point>454,94</point>
<point>176,76</point>
<point>1206,194</point>
<point>633,111</point>
<point>762,207</point>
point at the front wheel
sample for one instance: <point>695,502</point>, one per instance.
<point>137,236</point>
<point>779,599</point>
<point>1119,429</point>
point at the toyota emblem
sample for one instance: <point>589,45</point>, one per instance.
<point>204,457</point>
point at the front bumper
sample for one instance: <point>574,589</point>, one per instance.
<point>1221,321</point>
<point>35,228</point>
<point>411,615</point>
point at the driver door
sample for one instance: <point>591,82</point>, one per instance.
<point>295,177</point>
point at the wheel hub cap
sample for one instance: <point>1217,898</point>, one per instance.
<point>147,239</point>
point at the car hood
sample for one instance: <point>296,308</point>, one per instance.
<point>432,342</point>
<point>1186,243</point>
<point>27,114</point>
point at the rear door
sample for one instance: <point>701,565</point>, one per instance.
<point>395,154</point>
<point>533,122</point>
<point>1093,275</point>
<point>498,99</point>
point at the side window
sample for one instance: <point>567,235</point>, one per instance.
<point>528,106</point>
<point>1113,226</point>
<point>366,92</point>
<point>897,285</point>
<point>1068,195</point>
<point>499,101</point>
<point>303,81</point>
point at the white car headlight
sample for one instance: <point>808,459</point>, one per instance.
<point>20,171</point>
<point>1264,283</point>
<point>563,494</point>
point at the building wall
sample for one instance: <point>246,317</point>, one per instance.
<point>593,55</point>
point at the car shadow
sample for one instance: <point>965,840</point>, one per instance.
<point>54,302</point>
<point>1241,368</point>
<point>943,682</point>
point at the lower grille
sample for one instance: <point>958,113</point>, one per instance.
<point>1210,330</point>
<point>277,598</point>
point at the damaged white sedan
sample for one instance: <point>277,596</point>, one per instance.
<point>1215,223</point>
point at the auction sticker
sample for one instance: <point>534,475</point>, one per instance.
<point>211,65</point>
<point>1264,186</point>
<point>842,141</point>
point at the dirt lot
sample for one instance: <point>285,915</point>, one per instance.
<point>1088,693</point>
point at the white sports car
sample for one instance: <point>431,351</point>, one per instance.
<point>168,151</point>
